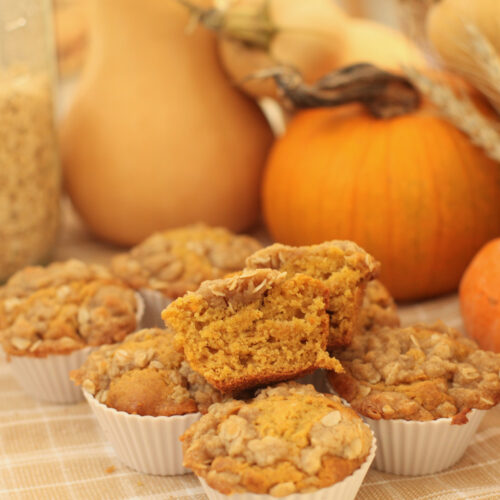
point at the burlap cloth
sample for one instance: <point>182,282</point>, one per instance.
<point>58,452</point>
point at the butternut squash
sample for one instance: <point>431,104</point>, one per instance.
<point>157,136</point>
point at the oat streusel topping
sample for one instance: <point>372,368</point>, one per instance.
<point>64,307</point>
<point>342,265</point>
<point>379,308</point>
<point>176,261</point>
<point>417,373</point>
<point>145,375</point>
<point>288,439</point>
<point>252,328</point>
<point>33,278</point>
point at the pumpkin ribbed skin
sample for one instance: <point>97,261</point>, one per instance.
<point>412,190</point>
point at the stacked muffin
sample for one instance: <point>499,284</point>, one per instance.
<point>274,320</point>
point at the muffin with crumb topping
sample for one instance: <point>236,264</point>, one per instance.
<point>288,439</point>
<point>145,375</point>
<point>423,383</point>
<point>344,267</point>
<point>170,263</point>
<point>145,395</point>
<point>253,328</point>
<point>51,317</point>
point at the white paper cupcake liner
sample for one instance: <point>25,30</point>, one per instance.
<point>144,443</point>
<point>346,489</point>
<point>48,378</point>
<point>154,302</point>
<point>416,448</point>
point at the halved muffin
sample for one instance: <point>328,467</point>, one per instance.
<point>253,328</point>
<point>344,267</point>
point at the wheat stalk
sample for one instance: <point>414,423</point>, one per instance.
<point>412,16</point>
<point>488,62</point>
<point>461,112</point>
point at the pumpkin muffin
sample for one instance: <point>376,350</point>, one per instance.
<point>253,328</point>
<point>379,308</point>
<point>343,266</point>
<point>176,261</point>
<point>288,439</point>
<point>64,307</point>
<point>145,396</point>
<point>417,373</point>
<point>411,385</point>
<point>145,375</point>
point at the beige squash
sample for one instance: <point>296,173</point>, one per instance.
<point>369,41</point>
<point>157,136</point>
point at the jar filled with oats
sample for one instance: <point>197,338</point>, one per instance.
<point>29,167</point>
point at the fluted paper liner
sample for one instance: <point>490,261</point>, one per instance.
<point>48,378</point>
<point>144,443</point>
<point>154,302</point>
<point>346,489</point>
<point>416,448</point>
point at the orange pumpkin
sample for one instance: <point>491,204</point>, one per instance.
<point>411,190</point>
<point>480,297</point>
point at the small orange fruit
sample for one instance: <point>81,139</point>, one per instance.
<point>480,297</point>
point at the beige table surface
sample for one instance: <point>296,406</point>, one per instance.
<point>58,452</point>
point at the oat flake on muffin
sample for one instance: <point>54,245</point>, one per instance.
<point>288,439</point>
<point>145,375</point>
<point>176,261</point>
<point>417,373</point>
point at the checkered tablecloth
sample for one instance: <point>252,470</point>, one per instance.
<point>52,452</point>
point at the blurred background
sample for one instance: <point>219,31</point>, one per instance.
<point>159,123</point>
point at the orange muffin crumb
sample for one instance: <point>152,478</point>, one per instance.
<point>253,328</point>
<point>343,266</point>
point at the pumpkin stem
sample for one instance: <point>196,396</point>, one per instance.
<point>247,24</point>
<point>385,95</point>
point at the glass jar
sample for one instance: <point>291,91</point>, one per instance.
<point>30,176</point>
